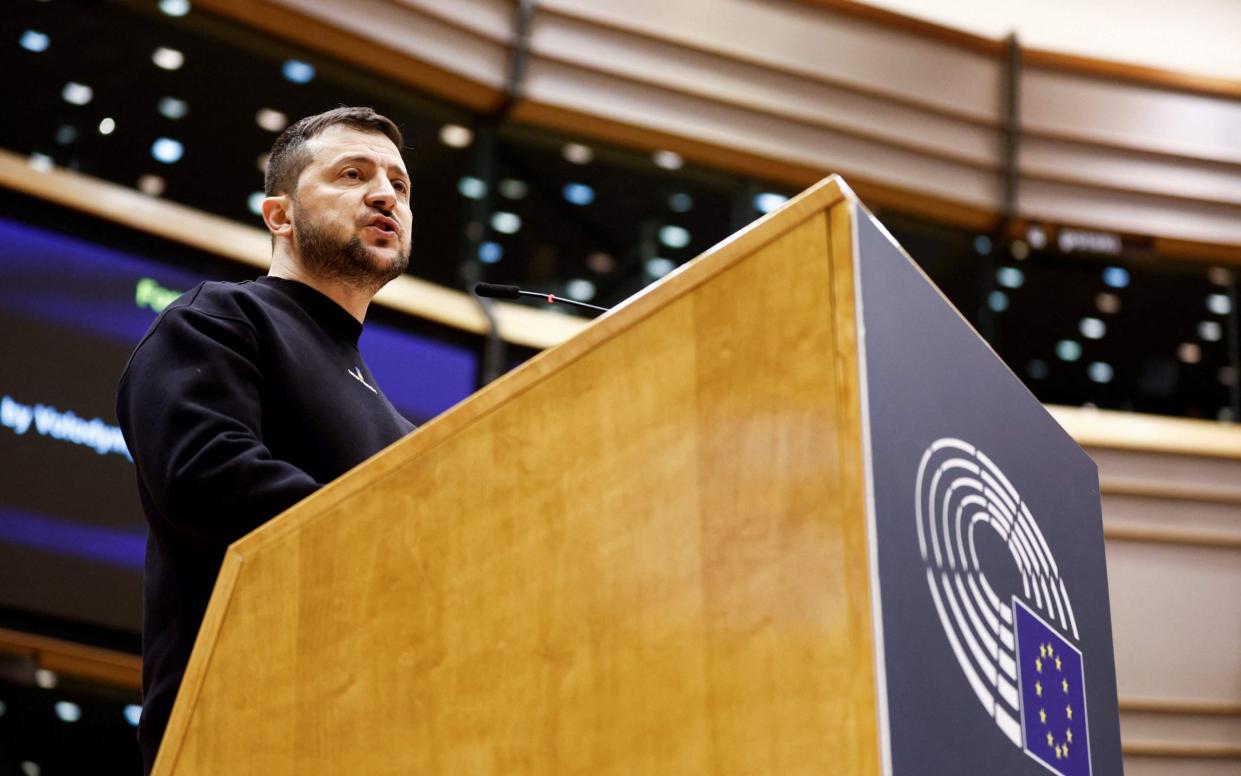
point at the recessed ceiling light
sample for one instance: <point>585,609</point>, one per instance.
<point>1092,328</point>
<point>511,188</point>
<point>1100,372</point>
<point>579,193</point>
<point>77,94</point>
<point>1068,350</point>
<point>167,150</point>
<point>1116,277</point>
<point>1220,276</point>
<point>601,262</point>
<point>674,236</point>
<point>1010,277</point>
<point>271,120</point>
<point>298,72</point>
<point>505,223</point>
<point>107,126</point>
<point>768,201</point>
<point>173,108</point>
<point>1107,302</point>
<point>456,136</point>
<point>658,266</point>
<point>167,58</point>
<point>669,160</point>
<point>578,153</point>
<point>1220,304</point>
<point>580,289</point>
<point>1036,237</point>
<point>471,187</point>
<point>490,252</point>
<point>67,711</point>
<point>151,185</point>
<point>33,40</point>
<point>175,7</point>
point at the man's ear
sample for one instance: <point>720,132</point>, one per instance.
<point>278,215</point>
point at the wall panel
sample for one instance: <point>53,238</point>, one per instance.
<point>1176,615</point>
<point>625,55</point>
<point>1163,766</point>
<point>1176,620</point>
<point>816,43</point>
<point>666,111</point>
<point>1130,115</point>
<point>1206,182</point>
<point>435,39</point>
<point>1136,211</point>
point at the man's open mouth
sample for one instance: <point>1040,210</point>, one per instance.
<point>385,224</point>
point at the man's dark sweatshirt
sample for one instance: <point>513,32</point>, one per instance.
<point>242,399</point>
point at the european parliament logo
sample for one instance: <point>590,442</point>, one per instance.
<point>1016,648</point>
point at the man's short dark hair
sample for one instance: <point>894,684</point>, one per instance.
<point>289,155</point>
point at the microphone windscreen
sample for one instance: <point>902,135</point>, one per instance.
<point>496,291</point>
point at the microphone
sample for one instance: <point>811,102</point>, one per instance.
<point>497,291</point>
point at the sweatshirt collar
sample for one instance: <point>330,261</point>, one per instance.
<point>332,317</point>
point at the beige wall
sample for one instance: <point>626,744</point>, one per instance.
<point>1192,36</point>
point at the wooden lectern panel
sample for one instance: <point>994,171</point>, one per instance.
<point>644,551</point>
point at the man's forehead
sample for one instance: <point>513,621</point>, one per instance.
<point>340,141</point>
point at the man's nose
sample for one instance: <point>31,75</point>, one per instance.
<point>381,194</point>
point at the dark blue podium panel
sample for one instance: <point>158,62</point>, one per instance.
<point>991,579</point>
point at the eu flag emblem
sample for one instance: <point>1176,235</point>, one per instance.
<point>1053,695</point>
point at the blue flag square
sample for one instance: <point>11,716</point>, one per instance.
<point>1053,695</point>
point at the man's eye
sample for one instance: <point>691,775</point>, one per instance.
<point>401,186</point>
<point>352,174</point>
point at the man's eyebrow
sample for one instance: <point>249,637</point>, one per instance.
<point>355,158</point>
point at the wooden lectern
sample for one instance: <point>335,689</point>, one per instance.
<point>646,551</point>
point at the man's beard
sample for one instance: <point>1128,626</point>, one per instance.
<point>347,260</point>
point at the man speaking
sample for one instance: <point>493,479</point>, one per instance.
<point>244,398</point>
